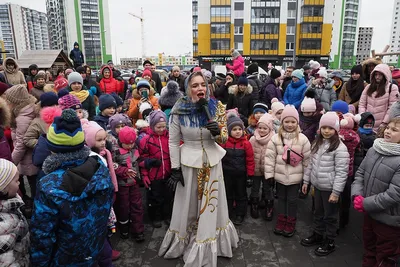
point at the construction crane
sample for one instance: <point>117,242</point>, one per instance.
<point>141,17</point>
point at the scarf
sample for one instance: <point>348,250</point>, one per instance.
<point>365,131</point>
<point>82,95</point>
<point>355,89</point>
<point>386,148</point>
<point>263,140</point>
<point>107,155</point>
<point>192,115</point>
<point>336,87</point>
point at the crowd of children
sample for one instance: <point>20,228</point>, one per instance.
<point>85,171</point>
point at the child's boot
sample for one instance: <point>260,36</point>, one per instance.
<point>280,224</point>
<point>269,211</point>
<point>139,237</point>
<point>254,208</point>
<point>326,248</point>
<point>314,239</point>
<point>290,227</point>
<point>124,229</point>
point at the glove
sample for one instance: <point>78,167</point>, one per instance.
<point>152,163</point>
<point>213,127</point>
<point>176,176</point>
<point>358,203</point>
<point>146,182</point>
<point>249,181</point>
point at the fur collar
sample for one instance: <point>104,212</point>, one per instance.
<point>56,161</point>
<point>233,90</point>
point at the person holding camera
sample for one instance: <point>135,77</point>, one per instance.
<point>142,94</point>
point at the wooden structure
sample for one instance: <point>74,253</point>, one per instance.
<point>51,60</point>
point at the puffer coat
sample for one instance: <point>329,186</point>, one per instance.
<point>277,168</point>
<point>379,106</point>
<point>327,171</point>
<point>378,181</point>
<point>259,145</point>
<point>239,156</point>
<point>243,101</point>
<point>324,94</point>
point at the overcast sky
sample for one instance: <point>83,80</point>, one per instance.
<point>168,24</point>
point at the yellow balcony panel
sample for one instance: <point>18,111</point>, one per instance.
<point>195,54</point>
<point>220,36</point>
<point>246,36</point>
<point>195,40</point>
<point>264,36</point>
<point>220,2</point>
<point>221,19</point>
<point>220,52</point>
<point>314,2</point>
<point>309,52</point>
<point>310,35</point>
<point>313,19</point>
<point>264,52</point>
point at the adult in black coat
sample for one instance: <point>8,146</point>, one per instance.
<point>288,78</point>
<point>222,92</point>
<point>155,77</point>
<point>76,56</point>
<point>254,81</point>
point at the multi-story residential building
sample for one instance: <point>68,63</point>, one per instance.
<point>86,22</point>
<point>364,43</point>
<point>22,29</point>
<point>344,33</point>
<point>281,32</point>
<point>395,35</point>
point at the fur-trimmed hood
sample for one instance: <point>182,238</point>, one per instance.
<point>136,95</point>
<point>16,69</point>
<point>365,63</point>
<point>56,161</point>
<point>233,90</point>
<point>5,114</point>
<point>169,95</point>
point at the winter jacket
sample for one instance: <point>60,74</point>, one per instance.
<point>5,150</point>
<point>285,83</point>
<point>39,155</point>
<point>37,92</point>
<point>22,155</point>
<point>30,79</point>
<point>324,93</point>
<point>366,142</point>
<point>88,104</point>
<point>110,85</point>
<point>222,93</point>
<point>69,223</point>
<point>92,86</point>
<point>309,125</point>
<point>243,101</point>
<point>143,132</point>
<point>379,106</point>
<point>13,77</point>
<point>270,91</point>
<point>76,56</point>
<point>294,93</point>
<point>14,233</point>
<point>237,66</point>
<point>378,181</point>
<point>345,96</point>
<point>133,111</point>
<point>239,156</point>
<point>257,85</point>
<point>102,121</point>
<point>327,171</point>
<point>34,131</point>
<point>276,167</point>
<point>351,140</point>
<point>153,146</point>
<point>180,80</point>
<point>259,146</point>
<point>126,160</point>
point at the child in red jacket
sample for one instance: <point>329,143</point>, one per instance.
<point>238,165</point>
<point>157,168</point>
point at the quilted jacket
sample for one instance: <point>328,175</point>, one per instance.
<point>239,156</point>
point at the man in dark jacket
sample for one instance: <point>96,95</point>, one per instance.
<point>254,81</point>
<point>288,78</point>
<point>76,56</point>
<point>30,78</point>
<point>155,77</point>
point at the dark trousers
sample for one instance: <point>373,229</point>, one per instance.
<point>235,186</point>
<point>129,209</point>
<point>267,188</point>
<point>159,200</point>
<point>381,244</point>
<point>345,202</point>
<point>105,257</point>
<point>32,185</point>
<point>325,214</point>
<point>287,199</point>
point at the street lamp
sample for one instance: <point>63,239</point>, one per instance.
<point>141,17</point>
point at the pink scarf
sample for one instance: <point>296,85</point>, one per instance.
<point>107,155</point>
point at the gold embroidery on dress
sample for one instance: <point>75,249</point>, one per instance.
<point>220,117</point>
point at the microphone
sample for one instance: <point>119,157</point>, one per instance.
<point>203,103</point>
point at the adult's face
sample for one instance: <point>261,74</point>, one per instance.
<point>371,67</point>
<point>153,68</point>
<point>288,72</point>
<point>83,75</point>
<point>10,66</point>
<point>295,79</point>
<point>111,65</point>
<point>176,73</point>
<point>147,66</point>
<point>229,79</point>
<point>34,72</point>
<point>106,73</point>
<point>76,47</point>
<point>198,88</point>
<point>355,76</point>
<point>378,76</point>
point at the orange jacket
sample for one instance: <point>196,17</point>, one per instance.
<point>133,111</point>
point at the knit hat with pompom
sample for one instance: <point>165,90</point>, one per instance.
<point>47,114</point>
<point>276,105</point>
<point>347,122</point>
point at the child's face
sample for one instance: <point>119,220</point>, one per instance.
<point>101,137</point>
<point>392,133</point>
<point>119,127</point>
<point>327,132</point>
<point>368,126</point>
<point>237,132</point>
<point>13,186</point>
<point>160,127</point>
<point>41,82</point>
<point>147,77</point>
<point>263,129</point>
<point>119,110</point>
<point>258,115</point>
<point>79,113</point>
<point>278,114</point>
<point>108,112</point>
<point>308,114</point>
<point>128,146</point>
<point>290,124</point>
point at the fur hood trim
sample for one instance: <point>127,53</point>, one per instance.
<point>170,94</point>
<point>233,90</point>
<point>141,124</point>
<point>56,161</point>
<point>5,114</point>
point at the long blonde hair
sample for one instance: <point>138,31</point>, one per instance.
<point>281,130</point>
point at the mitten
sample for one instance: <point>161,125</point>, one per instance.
<point>213,127</point>
<point>358,203</point>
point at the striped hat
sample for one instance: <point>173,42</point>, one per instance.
<point>65,134</point>
<point>7,173</point>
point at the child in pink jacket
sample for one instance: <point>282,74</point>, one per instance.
<point>237,63</point>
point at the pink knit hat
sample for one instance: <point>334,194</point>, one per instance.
<point>330,119</point>
<point>127,135</point>
<point>268,120</point>
<point>90,129</point>
<point>47,114</point>
<point>289,111</point>
<point>308,105</point>
<point>69,101</point>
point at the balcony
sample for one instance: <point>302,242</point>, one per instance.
<point>310,35</point>
<point>220,36</point>
<point>220,2</point>
<point>314,2</point>
<point>264,52</point>
<point>263,36</point>
<point>221,52</point>
<point>312,19</point>
<point>301,52</point>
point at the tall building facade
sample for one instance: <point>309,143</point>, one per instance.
<point>395,35</point>
<point>281,32</point>
<point>364,43</point>
<point>86,22</point>
<point>22,29</point>
<point>345,33</point>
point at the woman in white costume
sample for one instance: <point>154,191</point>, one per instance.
<point>200,228</point>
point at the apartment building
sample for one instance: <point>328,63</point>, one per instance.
<point>364,44</point>
<point>395,36</point>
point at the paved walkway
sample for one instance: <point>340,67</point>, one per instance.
<point>258,246</point>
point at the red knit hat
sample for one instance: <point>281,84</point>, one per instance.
<point>146,72</point>
<point>127,135</point>
<point>60,83</point>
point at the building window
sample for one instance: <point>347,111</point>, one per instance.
<point>312,11</point>
<point>195,34</point>
<point>310,44</point>
<point>220,11</point>
<point>195,47</point>
<point>220,28</point>
<point>290,30</point>
<point>239,46</point>
<point>289,46</point>
<point>291,14</point>
<point>220,44</point>
<point>262,12</point>
<point>264,29</point>
<point>264,45</point>
<point>311,28</point>
<point>239,30</point>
